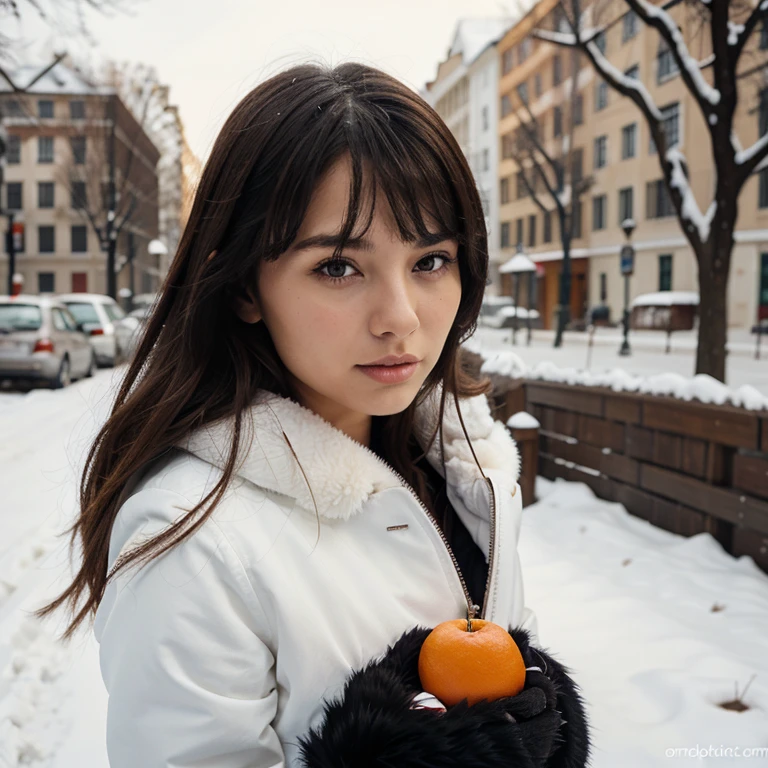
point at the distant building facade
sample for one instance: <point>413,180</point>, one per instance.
<point>615,150</point>
<point>58,155</point>
<point>465,95</point>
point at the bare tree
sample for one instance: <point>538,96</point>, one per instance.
<point>110,175</point>
<point>66,16</point>
<point>552,176</point>
<point>715,85</point>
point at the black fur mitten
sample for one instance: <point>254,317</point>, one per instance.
<point>373,724</point>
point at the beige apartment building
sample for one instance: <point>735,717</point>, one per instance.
<point>55,184</point>
<point>613,146</point>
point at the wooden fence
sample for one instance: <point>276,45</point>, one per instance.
<point>687,467</point>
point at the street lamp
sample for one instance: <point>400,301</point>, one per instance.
<point>520,265</point>
<point>627,261</point>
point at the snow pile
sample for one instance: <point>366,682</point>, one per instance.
<point>657,629</point>
<point>666,299</point>
<point>523,420</point>
<point>701,387</point>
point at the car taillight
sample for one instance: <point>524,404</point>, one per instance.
<point>97,331</point>
<point>43,345</point>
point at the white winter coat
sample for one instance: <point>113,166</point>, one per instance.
<point>221,652</point>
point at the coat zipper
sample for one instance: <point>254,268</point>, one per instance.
<point>472,609</point>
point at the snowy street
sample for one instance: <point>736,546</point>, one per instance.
<point>659,630</point>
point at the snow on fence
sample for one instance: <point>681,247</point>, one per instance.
<point>685,466</point>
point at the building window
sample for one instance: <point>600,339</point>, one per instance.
<point>45,108</point>
<point>576,217</point>
<point>599,212</point>
<point>665,272</point>
<point>507,145</point>
<point>628,141</point>
<point>507,61</point>
<point>532,231</point>
<point>601,95</point>
<point>557,129</point>
<point>763,183</point>
<point>670,124</point>
<point>762,115</point>
<point>77,109</point>
<point>13,195</point>
<point>79,196</point>
<point>524,49</point>
<point>538,88</point>
<point>547,227</point>
<point>522,92</point>
<point>577,165</point>
<point>601,151</point>
<point>764,36</point>
<point>45,193</point>
<point>633,72</point>
<point>45,149</point>
<point>504,190</point>
<point>13,108</point>
<point>13,149</point>
<point>578,110</point>
<point>485,118</point>
<point>505,234</point>
<point>629,24</point>
<point>46,239</point>
<point>78,149</point>
<point>79,238</point>
<point>520,188</point>
<point>506,105</point>
<point>666,66</point>
<point>658,203</point>
<point>46,282</point>
<point>557,69</point>
<point>626,204</point>
<point>486,159</point>
<point>519,238</point>
<point>603,287</point>
<point>600,42</point>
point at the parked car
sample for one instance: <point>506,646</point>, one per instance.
<point>40,340</point>
<point>102,317</point>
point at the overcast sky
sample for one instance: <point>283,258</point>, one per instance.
<point>212,53</point>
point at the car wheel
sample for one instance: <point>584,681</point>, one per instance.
<point>64,377</point>
<point>91,366</point>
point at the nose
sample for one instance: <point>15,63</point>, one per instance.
<point>393,308</point>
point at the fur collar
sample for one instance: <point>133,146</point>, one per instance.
<point>342,473</point>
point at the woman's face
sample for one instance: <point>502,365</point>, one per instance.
<point>383,297</point>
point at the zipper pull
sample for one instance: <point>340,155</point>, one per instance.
<point>473,611</point>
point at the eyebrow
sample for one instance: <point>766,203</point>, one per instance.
<point>363,244</point>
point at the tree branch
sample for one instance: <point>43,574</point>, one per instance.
<point>749,159</point>
<point>759,13</point>
<point>706,96</point>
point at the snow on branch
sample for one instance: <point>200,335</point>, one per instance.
<point>624,83</point>
<point>565,39</point>
<point>753,155</point>
<point>668,29</point>
<point>738,34</point>
<point>689,210</point>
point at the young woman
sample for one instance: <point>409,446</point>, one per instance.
<point>297,480</point>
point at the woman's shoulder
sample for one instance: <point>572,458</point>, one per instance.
<point>172,486</point>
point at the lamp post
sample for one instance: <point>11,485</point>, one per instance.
<point>158,249</point>
<point>627,260</point>
<point>520,265</point>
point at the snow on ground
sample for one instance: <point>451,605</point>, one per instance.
<point>628,607</point>
<point>647,358</point>
<point>658,629</point>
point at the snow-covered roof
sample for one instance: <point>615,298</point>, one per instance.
<point>666,299</point>
<point>518,263</point>
<point>472,36</point>
<point>61,78</point>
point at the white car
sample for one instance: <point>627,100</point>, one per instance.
<point>103,319</point>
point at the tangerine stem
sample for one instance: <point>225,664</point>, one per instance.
<point>469,624</point>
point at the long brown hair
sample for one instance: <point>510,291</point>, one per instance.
<point>197,362</point>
